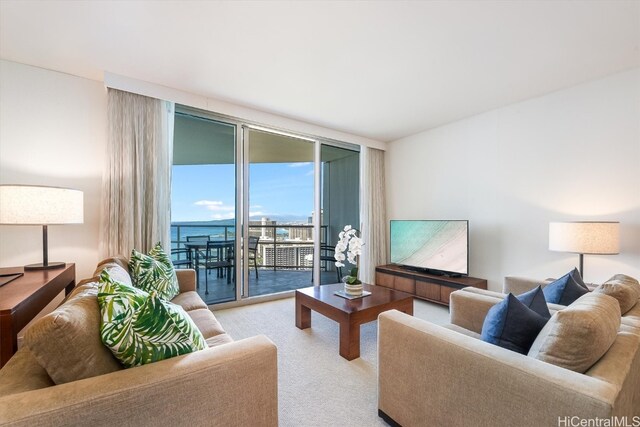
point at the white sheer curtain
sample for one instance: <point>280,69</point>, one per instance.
<point>136,192</point>
<point>372,213</point>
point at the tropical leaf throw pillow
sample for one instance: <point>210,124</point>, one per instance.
<point>140,328</point>
<point>154,272</point>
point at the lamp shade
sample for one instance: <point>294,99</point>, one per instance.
<point>585,237</point>
<point>39,205</point>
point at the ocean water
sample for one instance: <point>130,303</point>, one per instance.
<point>179,232</point>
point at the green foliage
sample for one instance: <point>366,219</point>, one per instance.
<point>352,278</point>
<point>140,328</point>
<point>154,272</point>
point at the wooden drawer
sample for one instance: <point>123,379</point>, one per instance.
<point>445,291</point>
<point>404,284</point>
<point>428,290</point>
<point>383,279</point>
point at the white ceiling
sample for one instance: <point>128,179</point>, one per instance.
<point>382,70</point>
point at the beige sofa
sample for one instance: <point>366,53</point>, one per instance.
<point>228,384</point>
<point>430,375</point>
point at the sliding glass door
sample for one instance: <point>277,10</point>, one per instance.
<point>203,204</point>
<point>279,214</point>
<point>245,203</point>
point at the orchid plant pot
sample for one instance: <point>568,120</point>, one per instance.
<point>352,286</point>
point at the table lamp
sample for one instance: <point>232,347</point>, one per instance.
<point>40,205</point>
<point>585,237</point>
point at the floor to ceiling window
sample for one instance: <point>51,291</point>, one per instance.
<point>280,185</point>
<point>244,206</point>
<point>203,204</point>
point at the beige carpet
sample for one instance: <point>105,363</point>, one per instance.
<point>316,386</point>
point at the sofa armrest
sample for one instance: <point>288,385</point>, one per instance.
<point>186,279</point>
<point>520,285</point>
<point>468,308</point>
<point>427,372</point>
<point>208,387</point>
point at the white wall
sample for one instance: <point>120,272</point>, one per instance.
<point>52,132</point>
<point>569,155</point>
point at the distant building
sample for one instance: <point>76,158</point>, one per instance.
<point>286,255</point>
<point>262,232</point>
<point>301,233</point>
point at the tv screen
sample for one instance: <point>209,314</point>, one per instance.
<point>431,245</point>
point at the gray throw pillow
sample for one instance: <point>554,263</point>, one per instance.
<point>577,336</point>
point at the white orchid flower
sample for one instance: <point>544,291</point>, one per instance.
<point>349,246</point>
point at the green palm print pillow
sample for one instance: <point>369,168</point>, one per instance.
<point>154,272</point>
<point>140,328</point>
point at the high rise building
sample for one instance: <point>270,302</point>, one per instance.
<point>286,256</point>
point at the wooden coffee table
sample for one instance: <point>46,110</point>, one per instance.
<point>350,314</point>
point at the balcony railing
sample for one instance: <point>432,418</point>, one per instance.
<point>269,237</point>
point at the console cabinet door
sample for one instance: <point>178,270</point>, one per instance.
<point>445,292</point>
<point>404,284</point>
<point>383,279</point>
<point>428,290</point>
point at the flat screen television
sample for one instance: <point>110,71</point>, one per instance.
<point>434,246</point>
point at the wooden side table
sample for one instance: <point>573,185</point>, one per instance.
<point>23,298</point>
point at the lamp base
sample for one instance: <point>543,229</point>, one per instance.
<point>41,266</point>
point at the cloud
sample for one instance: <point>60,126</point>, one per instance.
<point>299,164</point>
<point>257,213</point>
<point>311,172</point>
<point>229,215</point>
<point>215,205</point>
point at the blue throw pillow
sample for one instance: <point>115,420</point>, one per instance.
<point>512,325</point>
<point>534,299</point>
<point>564,290</point>
<point>577,277</point>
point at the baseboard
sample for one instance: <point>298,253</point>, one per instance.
<point>387,419</point>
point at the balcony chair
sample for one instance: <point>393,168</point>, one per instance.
<point>178,261</point>
<point>327,254</point>
<point>203,238</point>
<point>218,256</point>
<point>253,252</point>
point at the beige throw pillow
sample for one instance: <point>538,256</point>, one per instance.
<point>576,337</point>
<point>66,342</point>
<point>623,288</point>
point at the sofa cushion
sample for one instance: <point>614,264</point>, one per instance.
<point>154,272</point>
<point>219,340</point>
<point>623,290</point>
<point>206,322</point>
<point>564,290</point>
<point>117,269</point>
<point>66,342</point>
<point>512,325</point>
<point>189,301</point>
<point>23,373</point>
<point>141,328</point>
<point>576,337</point>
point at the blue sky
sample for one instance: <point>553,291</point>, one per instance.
<point>207,192</point>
